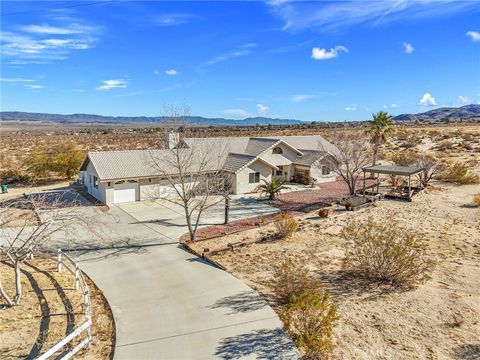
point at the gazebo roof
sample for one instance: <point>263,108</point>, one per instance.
<point>392,170</point>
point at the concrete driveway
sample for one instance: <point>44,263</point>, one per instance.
<point>169,304</point>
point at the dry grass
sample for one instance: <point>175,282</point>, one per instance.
<point>51,308</point>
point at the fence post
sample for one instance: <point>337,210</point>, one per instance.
<point>59,260</point>
<point>77,277</point>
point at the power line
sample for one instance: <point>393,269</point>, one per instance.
<point>60,8</point>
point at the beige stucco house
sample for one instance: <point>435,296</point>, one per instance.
<point>126,176</point>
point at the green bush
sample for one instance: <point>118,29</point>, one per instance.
<point>292,278</point>
<point>309,318</point>
<point>383,251</point>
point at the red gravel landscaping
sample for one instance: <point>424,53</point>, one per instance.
<point>308,200</point>
<point>232,227</point>
<point>293,202</point>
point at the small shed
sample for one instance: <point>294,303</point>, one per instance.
<point>405,171</point>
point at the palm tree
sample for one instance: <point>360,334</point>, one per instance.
<point>273,187</point>
<point>381,127</point>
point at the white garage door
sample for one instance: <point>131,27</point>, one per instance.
<point>124,192</point>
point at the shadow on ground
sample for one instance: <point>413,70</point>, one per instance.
<point>344,284</point>
<point>261,344</point>
<point>467,352</point>
<point>245,301</point>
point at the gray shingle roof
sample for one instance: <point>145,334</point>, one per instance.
<point>256,146</point>
<point>236,161</point>
<point>229,153</point>
<point>309,157</point>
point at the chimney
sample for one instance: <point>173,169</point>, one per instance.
<point>172,139</point>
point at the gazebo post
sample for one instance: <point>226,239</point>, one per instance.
<point>378,183</point>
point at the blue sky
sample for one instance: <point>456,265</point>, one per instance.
<point>314,61</point>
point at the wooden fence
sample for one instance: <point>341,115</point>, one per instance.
<point>65,261</point>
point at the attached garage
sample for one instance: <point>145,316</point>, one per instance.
<point>125,191</point>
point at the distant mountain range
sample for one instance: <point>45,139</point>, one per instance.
<point>471,112</point>
<point>464,112</point>
<point>90,119</point>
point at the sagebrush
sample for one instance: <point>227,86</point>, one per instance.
<point>292,278</point>
<point>459,173</point>
<point>309,318</point>
<point>285,225</point>
<point>384,251</point>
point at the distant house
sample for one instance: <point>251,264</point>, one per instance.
<point>127,176</point>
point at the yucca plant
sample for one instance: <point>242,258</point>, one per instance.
<point>272,187</point>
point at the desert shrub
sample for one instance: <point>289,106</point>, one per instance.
<point>384,251</point>
<point>285,225</point>
<point>66,160</point>
<point>349,205</point>
<point>458,173</point>
<point>39,163</point>
<point>292,278</point>
<point>324,213</point>
<point>403,158</point>
<point>445,145</point>
<point>309,319</point>
<point>476,199</point>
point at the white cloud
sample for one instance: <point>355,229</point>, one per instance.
<point>302,97</point>
<point>54,30</point>
<point>240,51</point>
<point>474,35</point>
<point>14,80</point>
<point>391,106</point>
<point>237,112</point>
<point>34,87</point>
<point>335,15</point>
<point>171,72</point>
<point>35,42</point>
<point>262,109</point>
<point>156,72</point>
<point>324,54</point>
<point>427,100</point>
<point>112,84</point>
<point>173,19</point>
<point>77,90</point>
<point>409,49</point>
<point>463,100</point>
<point>352,107</point>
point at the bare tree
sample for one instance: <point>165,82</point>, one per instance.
<point>429,164</point>
<point>28,224</point>
<point>351,153</point>
<point>191,170</point>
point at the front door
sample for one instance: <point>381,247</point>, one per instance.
<point>281,173</point>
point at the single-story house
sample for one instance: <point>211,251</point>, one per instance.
<point>126,176</point>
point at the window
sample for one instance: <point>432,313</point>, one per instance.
<point>277,150</point>
<point>95,182</point>
<point>325,170</point>
<point>254,177</point>
<point>109,184</point>
<point>89,178</point>
<point>279,172</point>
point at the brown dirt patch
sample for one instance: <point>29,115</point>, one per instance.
<point>49,310</point>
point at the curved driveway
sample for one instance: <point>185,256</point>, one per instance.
<point>168,303</point>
